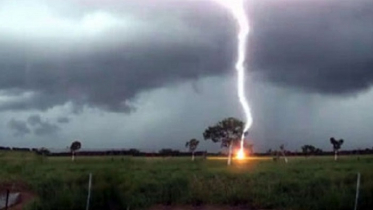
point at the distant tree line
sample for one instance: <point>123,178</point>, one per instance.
<point>367,151</point>
<point>228,133</point>
<point>135,152</point>
<point>167,152</point>
<point>18,149</point>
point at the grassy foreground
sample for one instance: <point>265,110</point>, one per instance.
<point>138,183</point>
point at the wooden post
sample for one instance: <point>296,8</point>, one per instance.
<point>89,190</point>
<point>357,190</point>
<point>7,199</point>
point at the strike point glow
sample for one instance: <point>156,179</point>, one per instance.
<point>238,11</point>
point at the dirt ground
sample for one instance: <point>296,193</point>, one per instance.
<point>26,195</point>
<point>207,207</point>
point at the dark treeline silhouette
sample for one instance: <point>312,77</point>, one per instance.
<point>308,150</point>
<point>135,152</point>
<point>18,149</point>
<point>367,151</point>
<point>176,153</point>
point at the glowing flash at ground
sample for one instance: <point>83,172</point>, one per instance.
<point>240,154</point>
<point>238,11</point>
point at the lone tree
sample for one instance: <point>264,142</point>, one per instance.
<point>75,146</point>
<point>227,132</point>
<point>336,146</point>
<point>192,146</point>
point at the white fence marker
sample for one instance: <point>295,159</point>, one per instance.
<point>89,190</point>
<point>357,190</point>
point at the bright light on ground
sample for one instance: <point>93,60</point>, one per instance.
<point>240,154</point>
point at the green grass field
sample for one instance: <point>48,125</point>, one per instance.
<point>139,183</point>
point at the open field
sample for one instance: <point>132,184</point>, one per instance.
<point>140,183</point>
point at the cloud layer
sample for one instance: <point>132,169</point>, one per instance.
<point>34,124</point>
<point>104,70</point>
<point>317,46</point>
<point>19,127</point>
<point>102,55</point>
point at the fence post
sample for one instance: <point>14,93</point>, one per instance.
<point>357,190</point>
<point>7,199</point>
<point>89,190</point>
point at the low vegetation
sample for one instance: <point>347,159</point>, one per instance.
<point>139,182</point>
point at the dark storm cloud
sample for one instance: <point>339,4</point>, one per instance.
<point>42,127</point>
<point>107,80</point>
<point>19,127</point>
<point>319,46</point>
<point>109,77</point>
<point>46,128</point>
<point>63,120</point>
<point>34,120</point>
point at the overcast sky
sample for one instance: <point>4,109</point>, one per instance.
<point>151,74</point>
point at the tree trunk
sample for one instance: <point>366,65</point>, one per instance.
<point>230,154</point>
<point>192,156</point>
<point>336,155</point>
<point>73,156</point>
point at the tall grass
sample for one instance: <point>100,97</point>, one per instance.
<point>138,183</point>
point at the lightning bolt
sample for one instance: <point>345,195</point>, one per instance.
<point>237,8</point>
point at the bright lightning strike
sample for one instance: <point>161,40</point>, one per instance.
<point>238,11</point>
<point>240,154</point>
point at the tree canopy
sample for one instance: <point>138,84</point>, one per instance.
<point>75,146</point>
<point>226,132</point>
<point>336,143</point>
<point>192,144</point>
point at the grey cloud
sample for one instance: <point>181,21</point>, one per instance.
<point>42,127</point>
<point>109,77</point>
<point>19,127</point>
<point>324,47</point>
<point>63,120</point>
<point>34,120</point>
<point>108,80</point>
<point>46,128</point>
<point>317,46</point>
